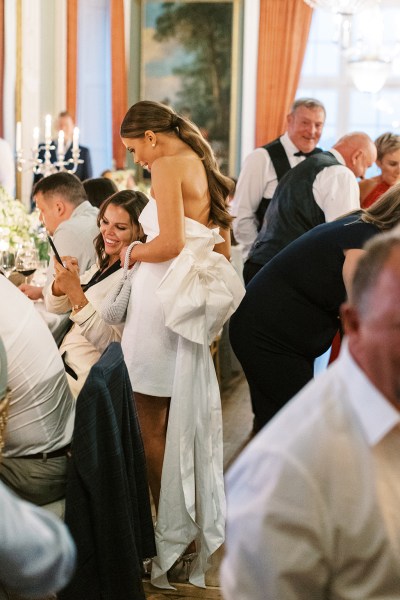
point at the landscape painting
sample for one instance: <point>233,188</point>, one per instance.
<point>187,63</point>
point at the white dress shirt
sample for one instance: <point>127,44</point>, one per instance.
<point>75,237</point>
<point>336,190</point>
<point>257,180</point>
<point>41,411</point>
<point>37,554</point>
<point>313,501</point>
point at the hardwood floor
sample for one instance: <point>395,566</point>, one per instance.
<point>237,419</point>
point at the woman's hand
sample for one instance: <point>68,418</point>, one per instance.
<point>66,278</point>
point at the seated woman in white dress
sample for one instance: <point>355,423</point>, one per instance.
<point>182,292</point>
<point>90,335</point>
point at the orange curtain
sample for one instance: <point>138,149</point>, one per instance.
<point>1,66</point>
<point>118,79</point>
<point>72,54</point>
<point>283,33</point>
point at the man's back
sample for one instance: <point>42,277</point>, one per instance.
<point>319,189</point>
<point>303,502</point>
<point>41,412</point>
<point>292,210</point>
<point>75,237</point>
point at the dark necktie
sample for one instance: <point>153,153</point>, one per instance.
<point>301,153</point>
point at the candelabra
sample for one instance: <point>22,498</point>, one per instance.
<point>46,166</point>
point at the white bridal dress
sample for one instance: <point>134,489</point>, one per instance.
<point>176,309</point>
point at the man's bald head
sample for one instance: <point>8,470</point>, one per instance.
<point>358,151</point>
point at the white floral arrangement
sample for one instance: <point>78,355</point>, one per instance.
<point>18,226</point>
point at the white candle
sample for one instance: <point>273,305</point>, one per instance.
<point>35,138</point>
<point>75,139</point>
<point>60,143</point>
<point>18,137</point>
<point>47,129</point>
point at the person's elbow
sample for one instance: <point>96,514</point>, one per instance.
<point>174,247</point>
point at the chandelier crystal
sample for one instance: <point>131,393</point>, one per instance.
<point>345,9</point>
<point>369,73</point>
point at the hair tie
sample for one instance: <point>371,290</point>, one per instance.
<point>175,120</point>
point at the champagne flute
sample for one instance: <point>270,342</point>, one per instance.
<point>7,262</point>
<point>27,261</point>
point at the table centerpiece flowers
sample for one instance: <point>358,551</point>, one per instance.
<point>19,227</point>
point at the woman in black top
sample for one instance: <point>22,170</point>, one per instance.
<point>290,313</point>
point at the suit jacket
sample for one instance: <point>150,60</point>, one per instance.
<point>107,505</point>
<point>84,170</point>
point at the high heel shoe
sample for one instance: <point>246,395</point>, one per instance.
<point>180,570</point>
<point>147,564</point>
<point>187,560</point>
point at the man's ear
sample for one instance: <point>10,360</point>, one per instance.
<point>60,207</point>
<point>355,156</point>
<point>350,318</point>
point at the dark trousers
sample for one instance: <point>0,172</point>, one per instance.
<point>249,270</point>
<point>274,375</point>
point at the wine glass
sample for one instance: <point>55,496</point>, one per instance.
<point>27,261</point>
<point>7,262</point>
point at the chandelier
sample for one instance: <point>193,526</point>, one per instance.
<point>369,73</point>
<point>368,61</point>
<point>345,9</point>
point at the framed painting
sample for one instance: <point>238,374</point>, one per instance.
<point>189,55</point>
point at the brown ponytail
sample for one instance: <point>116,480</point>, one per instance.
<point>158,117</point>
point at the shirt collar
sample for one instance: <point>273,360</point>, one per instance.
<point>337,155</point>
<point>287,143</point>
<point>374,412</point>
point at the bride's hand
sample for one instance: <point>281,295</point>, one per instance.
<point>122,255</point>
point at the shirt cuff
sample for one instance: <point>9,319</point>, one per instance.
<point>83,315</point>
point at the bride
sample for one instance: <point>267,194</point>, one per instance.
<point>182,292</point>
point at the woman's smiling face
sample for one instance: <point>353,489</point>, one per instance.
<point>117,229</point>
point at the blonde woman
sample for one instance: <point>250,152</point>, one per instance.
<point>388,160</point>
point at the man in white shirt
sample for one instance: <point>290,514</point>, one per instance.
<point>265,166</point>
<point>313,502</point>
<point>69,217</point>
<point>42,410</point>
<point>37,553</point>
<point>318,190</point>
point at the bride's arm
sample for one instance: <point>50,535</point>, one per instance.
<point>167,190</point>
<point>225,246</point>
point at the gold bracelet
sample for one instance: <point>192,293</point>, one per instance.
<point>76,307</point>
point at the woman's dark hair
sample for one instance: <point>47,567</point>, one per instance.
<point>131,201</point>
<point>98,189</point>
<point>158,117</point>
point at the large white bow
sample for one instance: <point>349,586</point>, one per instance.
<point>199,295</point>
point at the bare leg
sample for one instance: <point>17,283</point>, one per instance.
<point>153,418</point>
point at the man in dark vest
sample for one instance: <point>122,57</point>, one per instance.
<point>316,191</point>
<point>265,166</point>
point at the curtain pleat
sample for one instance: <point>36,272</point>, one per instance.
<point>72,55</point>
<point>118,79</point>
<point>283,33</point>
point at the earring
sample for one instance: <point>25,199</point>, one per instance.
<point>153,145</point>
